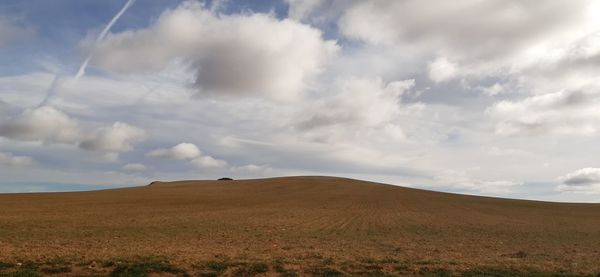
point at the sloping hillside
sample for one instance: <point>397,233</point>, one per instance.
<point>302,221</point>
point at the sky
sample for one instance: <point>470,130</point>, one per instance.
<point>498,97</point>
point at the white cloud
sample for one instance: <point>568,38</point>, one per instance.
<point>563,112</point>
<point>134,167</point>
<point>45,124</point>
<point>507,152</point>
<point>188,151</point>
<point>514,40</point>
<point>252,169</point>
<point>561,93</point>
<point>182,151</point>
<point>360,103</point>
<point>442,70</point>
<point>119,137</point>
<point>354,118</point>
<point>494,89</point>
<point>464,181</point>
<point>358,123</point>
<point>585,180</point>
<point>7,159</point>
<point>493,26</point>
<point>241,54</point>
<point>208,162</point>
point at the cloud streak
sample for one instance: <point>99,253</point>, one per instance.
<point>8,159</point>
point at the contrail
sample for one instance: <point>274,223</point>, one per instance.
<point>101,36</point>
<point>51,91</point>
<point>58,78</point>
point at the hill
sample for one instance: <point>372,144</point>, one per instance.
<point>294,225</point>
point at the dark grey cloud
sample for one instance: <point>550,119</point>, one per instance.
<point>585,180</point>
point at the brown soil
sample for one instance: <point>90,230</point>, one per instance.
<point>300,220</point>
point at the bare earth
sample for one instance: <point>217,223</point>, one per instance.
<point>309,224</point>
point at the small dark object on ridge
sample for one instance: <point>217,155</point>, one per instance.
<point>225,179</point>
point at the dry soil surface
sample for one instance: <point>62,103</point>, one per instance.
<point>305,223</point>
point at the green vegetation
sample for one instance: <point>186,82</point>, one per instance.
<point>212,268</point>
<point>55,269</point>
<point>324,271</point>
<point>142,267</point>
<point>279,266</point>
<point>323,267</point>
<point>251,269</point>
<point>503,272</point>
<point>20,273</point>
<point>29,265</point>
